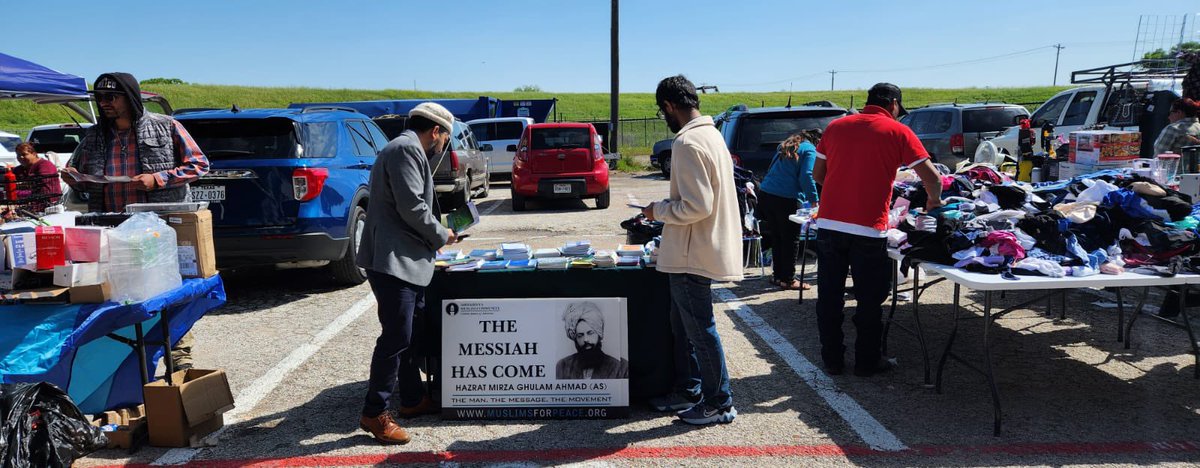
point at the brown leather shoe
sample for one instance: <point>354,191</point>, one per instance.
<point>426,406</point>
<point>384,429</point>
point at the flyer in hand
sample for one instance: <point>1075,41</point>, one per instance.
<point>462,218</point>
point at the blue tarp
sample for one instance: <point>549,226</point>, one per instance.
<point>464,109</point>
<point>67,345</point>
<point>22,78</point>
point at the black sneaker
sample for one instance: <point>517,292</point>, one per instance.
<point>700,414</point>
<point>880,367</point>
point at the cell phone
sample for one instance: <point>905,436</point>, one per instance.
<point>463,236</point>
<point>631,205</point>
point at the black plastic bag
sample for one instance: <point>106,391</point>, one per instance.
<point>41,427</point>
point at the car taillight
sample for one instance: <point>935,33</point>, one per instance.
<point>957,144</point>
<point>522,155</point>
<point>454,161</point>
<point>737,160</point>
<point>307,182</point>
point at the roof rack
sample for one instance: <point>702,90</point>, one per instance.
<point>1141,71</point>
<point>327,109</point>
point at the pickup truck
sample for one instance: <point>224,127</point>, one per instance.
<point>1124,100</point>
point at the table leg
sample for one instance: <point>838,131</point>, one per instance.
<point>950,341</point>
<point>140,349</point>
<point>987,359</point>
<point>1120,315</point>
<point>1187,323</point>
<point>1136,313</point>
<point>803,260</point>
<point>920,331</point>
<point>168,358</point>
<point>887,326</point>
<point>1062,305</point>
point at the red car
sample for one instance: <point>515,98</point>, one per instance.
<point>559,160</point>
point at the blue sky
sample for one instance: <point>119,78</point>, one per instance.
<point>562,46</point>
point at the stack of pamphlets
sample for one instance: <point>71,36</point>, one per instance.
<point>553,263</point>
<point>546,253</point>
<point>577,249</point>
<point>629,261</point>
<point>493,265</point>
<point>515,251</point>
<point>629,250</point>
<point>522,264</point>
<point>582,263</point>
<point>605,259</point>
<point>449,263</point>
<point>449,255</point>
<point>470,265</point>
<point>486,254</point>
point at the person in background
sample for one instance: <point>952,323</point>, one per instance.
<point>788,184</point>
<point>1184,129</point>
<point>153,150</point>
<point>701,243</point>
<point>399,242</point>
<point>856,166</point>
<point>41,174</point>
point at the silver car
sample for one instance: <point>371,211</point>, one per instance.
<point>502,133</point>
<point>951,132</point>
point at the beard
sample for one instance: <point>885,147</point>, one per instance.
<point>590,354</point>
<point>672,123</point>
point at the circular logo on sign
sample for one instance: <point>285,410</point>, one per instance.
<point>452,309</point>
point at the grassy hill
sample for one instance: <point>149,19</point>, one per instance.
<point>18,116</point>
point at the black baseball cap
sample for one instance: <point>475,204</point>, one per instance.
<point>886,93</point>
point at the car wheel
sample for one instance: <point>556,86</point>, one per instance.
<point>518,201</point>
<point>664,163</point>
<point>603,200</point>
<point>345,270</point>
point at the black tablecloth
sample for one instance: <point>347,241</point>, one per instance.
<point>648,299</point>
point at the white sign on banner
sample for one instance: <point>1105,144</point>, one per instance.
<point>562,358</point>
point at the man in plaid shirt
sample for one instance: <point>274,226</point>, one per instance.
<point>1184,129</point>
<point>153,152</point>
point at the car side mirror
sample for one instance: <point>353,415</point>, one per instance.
<point>511,148</point>
<point>486,148</point>
<point>1018,118</point>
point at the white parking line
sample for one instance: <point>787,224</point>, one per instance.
<point>253,394</point>
<point>866,426</point>
<point>490,209</point>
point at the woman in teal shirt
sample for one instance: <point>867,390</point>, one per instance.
<point>788,185</point>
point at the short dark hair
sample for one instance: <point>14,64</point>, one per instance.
<point>420,124</point>
<point>25,147</point>
<point>677,90</point>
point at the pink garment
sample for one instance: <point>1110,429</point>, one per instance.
<point>1004,243</point>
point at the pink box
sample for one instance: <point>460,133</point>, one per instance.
<point>87,244</point>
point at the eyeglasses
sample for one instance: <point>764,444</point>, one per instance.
<point>661,115</point>
<point>107,97</point>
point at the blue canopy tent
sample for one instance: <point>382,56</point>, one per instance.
<point>22,79</point>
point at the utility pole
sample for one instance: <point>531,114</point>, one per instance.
<point>614,121</point>
<point>1058,50</point>
<point>832,73</point>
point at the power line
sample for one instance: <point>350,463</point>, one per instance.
<point>954,64</point>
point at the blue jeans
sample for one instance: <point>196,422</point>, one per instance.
<point>699,356</point>
<point>867,261</point>
<point>392,363</point>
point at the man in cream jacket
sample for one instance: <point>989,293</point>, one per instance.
<point>702,243</point>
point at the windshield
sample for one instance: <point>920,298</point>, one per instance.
<point>990,119</point>
<point>560,138</point>
<point>58,140</point>
<point>243,138</point>
<point>392,127</point>
<point>764,133</point>
<point>497,131</point>
<point>10,143</point>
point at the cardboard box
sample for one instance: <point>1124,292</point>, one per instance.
<point>1068,170</point>
<point>94,294</point>
<point>193,232</point>
<point>51,247</point>
<point>180,415</point>
<point>24,279</point>
<point>1100,146</point>
<point>78,274</point>
<point>40,295</point>
<point>128,423</point>
<point>87,244</point>
<point>21,250</point>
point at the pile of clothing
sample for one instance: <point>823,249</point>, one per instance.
<point>1101,223</point>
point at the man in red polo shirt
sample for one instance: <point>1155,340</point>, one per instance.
<point>857,162</point>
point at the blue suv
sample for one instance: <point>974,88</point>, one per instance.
<point>287,186</point>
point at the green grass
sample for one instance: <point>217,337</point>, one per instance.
<point>630,163</point>
<point>19,116</point>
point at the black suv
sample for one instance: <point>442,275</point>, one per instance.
<point>753,135</point>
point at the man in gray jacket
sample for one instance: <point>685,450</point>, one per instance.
<point>399,242</point>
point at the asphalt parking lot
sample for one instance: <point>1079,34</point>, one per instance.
<point>297,350</point>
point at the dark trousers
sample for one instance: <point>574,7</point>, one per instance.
<point>393,362</point>
<point>784,234</point>
<point>837,254</point>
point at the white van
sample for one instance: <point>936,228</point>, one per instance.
<point>8,148</point>
<point>503,134</point>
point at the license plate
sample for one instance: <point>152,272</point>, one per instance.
<point>562,188</point>
<point>208,193</point>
